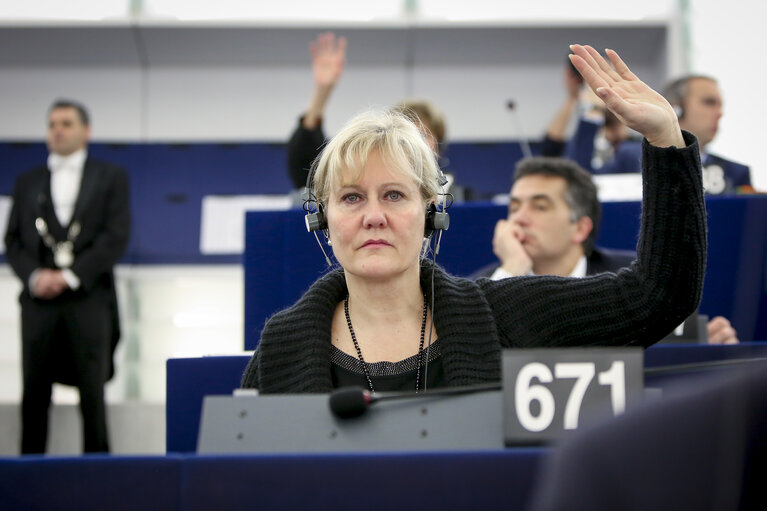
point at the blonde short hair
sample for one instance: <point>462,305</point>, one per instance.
<point>399,142</point>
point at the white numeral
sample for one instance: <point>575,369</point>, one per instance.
<point>584,373</point>
<point>615,377</point>
<point>525,393</point>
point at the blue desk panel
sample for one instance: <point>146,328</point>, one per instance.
<point>189,380</point>
<point>487,480</point>
<point>90,482</point>
<point>482,480</point>
<point>281,260</point>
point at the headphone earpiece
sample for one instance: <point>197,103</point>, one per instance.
<point>316,221</point>
<point>678,110</point>
<point>435,220</point>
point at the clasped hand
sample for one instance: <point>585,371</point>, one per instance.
<point>49,284</point>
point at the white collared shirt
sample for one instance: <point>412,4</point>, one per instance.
<point>578,272</point>
<point>580,268</point>
<point>66,175</point>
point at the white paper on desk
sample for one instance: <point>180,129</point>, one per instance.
<point>222,228</point>
<point>5,209</point>
<point>619,187</point>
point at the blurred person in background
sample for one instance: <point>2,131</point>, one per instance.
<point>305,143</point>
<point>69,224</point>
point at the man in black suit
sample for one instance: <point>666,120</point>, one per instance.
<point>69,224</point>
<point>554,214</point>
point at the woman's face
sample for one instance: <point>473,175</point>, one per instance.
<point>376,225</point>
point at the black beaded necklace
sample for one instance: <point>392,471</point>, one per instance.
<point>359,351</point>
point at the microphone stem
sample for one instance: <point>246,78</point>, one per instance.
<point>444,391</point>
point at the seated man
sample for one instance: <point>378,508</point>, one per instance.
<point>698,102</point>
<point>554,216</point>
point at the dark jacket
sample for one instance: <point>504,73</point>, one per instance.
<point>102,210</point>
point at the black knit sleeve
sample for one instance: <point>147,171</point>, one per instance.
<point>303,147</point>
<point>637,305</point>
<point>250,376</point>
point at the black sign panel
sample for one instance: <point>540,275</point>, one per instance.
<point>550,392</point>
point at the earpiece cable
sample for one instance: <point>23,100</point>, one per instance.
<point>434,253</point>
<point>327,259</point>
<point>431,321</point>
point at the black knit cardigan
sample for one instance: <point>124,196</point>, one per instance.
<point>476,320</point>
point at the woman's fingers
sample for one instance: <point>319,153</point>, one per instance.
<point>588,73</point>
<point>620,66</point>
<point>615,102</point>
<point>609,73</point>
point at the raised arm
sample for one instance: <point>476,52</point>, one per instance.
<point>641,304</point>
<point>328,61</point>
<point>556,131</point>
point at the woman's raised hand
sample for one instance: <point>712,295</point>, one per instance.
<point>637,106</point>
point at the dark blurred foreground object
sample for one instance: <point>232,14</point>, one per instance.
<point>704,448</point>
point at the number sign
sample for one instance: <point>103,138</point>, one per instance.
<point>549,392</point>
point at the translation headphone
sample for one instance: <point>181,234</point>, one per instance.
<point>437,219</point>
<point>316,220</point>
<point>678,110</point>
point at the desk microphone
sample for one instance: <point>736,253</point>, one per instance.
<point>349,402</point>
<point>523,143</point>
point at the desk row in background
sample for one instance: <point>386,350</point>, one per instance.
<point>281,260</point>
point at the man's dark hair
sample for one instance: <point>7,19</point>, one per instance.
<point>676,91</point>
<point>68,103</point>
<point>581,194</point>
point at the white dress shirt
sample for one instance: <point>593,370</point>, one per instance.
<point>578,272</point>
<point>66,176</point>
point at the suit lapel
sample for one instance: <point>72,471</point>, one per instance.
<point>87,189</point>
<point>41,191</point>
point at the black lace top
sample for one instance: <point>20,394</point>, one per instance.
<point>346,371</point>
